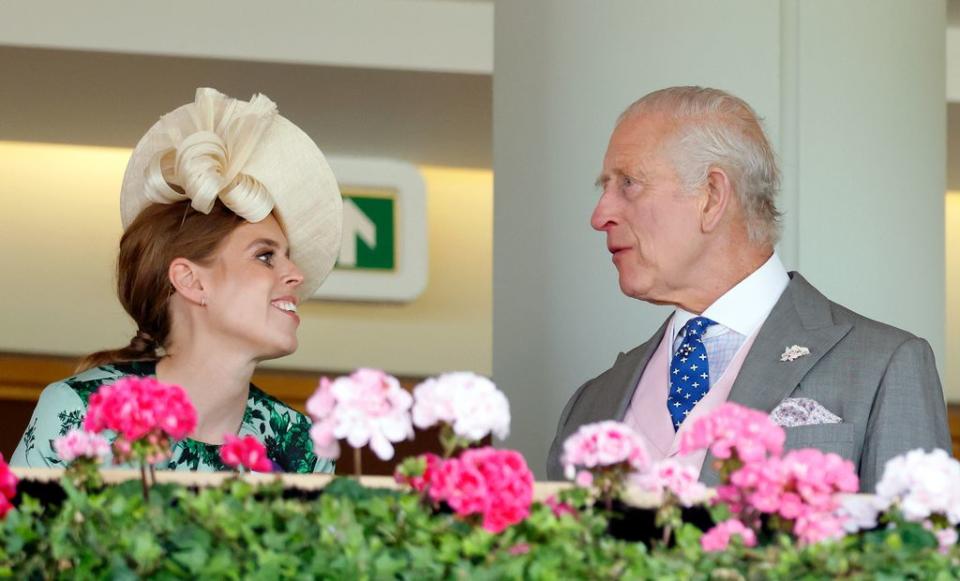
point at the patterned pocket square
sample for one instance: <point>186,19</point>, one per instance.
<point>802,411</point>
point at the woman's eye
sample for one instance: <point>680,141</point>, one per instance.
<point>266,257</point>
<point>627,182</point>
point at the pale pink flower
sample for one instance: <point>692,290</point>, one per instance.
<point>922,484</point>
<point>80,444</point>
<point>718,538</point>
<point>247,452</point>
<point>321,406</point>
<point>859,512</point>
<point>734,429</point>
<point>519,549</point>
<point>604,444</point>
<point>670,476</point>
<point>817,526</point>
<point>469,403</point>
<point>584,479</point>
<point>366,407</point>
<point>946,538</point>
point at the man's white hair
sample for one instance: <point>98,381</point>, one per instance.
<point>716,129</point>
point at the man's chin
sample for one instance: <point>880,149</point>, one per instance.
<point>641,294</point>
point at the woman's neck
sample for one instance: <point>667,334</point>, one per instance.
<point>217,385</point>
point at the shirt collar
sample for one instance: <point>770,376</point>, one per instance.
<point>744,307</point>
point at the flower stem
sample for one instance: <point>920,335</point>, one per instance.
<point>357,468</point>
<point>143,481</point>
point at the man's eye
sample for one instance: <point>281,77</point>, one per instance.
<point>266,257</point>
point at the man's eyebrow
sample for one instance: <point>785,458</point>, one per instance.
<point>605,177</point>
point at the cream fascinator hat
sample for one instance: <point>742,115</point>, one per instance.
<point>251,159</point>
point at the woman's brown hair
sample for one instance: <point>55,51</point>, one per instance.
<point>158,235</point>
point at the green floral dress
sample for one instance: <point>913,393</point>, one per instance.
<point>62,406</point>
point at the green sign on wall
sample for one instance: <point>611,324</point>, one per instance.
<point>383,253</point>
<point>369,226</point>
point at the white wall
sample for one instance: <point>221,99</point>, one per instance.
<point>871,159</point>
<point>853,96</point>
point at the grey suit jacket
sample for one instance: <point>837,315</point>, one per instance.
<point>880,380</point>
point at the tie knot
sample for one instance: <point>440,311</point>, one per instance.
<point>696,326</point>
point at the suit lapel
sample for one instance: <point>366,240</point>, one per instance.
<point>617,389</point>
<point>801,317</point>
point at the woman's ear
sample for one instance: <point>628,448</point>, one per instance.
<point>186,278</point>
<point>719,193</point>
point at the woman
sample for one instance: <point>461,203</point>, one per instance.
<point>231,217</point>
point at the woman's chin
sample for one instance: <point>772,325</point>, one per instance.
<point>279,350</point>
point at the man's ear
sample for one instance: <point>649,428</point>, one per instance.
<point>186,278</point>
<point>718,195</point>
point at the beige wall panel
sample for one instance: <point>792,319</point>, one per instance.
<point>60,227</point>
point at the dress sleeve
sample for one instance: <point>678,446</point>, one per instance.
<point>58,410</point>
<point>324,466</point>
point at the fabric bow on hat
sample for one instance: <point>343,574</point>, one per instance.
<point>207,154</point>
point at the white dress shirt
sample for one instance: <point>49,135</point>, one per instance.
<point>739,313</point>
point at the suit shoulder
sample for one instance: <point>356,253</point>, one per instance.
<point>628,359</point>
<point>867,326</point>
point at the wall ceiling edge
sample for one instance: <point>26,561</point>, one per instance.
<point>416,35</point>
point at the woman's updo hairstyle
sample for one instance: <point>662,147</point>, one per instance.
<point>158,235</point>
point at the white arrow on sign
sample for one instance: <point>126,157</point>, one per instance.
<point>355,224</point>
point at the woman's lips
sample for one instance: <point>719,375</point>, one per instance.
<point>290,314</point>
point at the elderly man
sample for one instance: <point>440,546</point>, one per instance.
<point>687,206</point>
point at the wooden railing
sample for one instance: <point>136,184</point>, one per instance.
<point>23,377</point>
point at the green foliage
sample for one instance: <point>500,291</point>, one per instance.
<point>241,531</point>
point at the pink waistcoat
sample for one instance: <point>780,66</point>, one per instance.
<point>648,414</point>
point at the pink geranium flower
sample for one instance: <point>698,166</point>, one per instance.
<point>718,538</point>
<point>602,445</point>
<point>802,488</point>
<point>495,484</point>
<point>736,430</point>
<point>144,413</point>
<point>671,477</point>
<point>246,452</point>
<point>418,482</point>
<point>8,487</point>
<point>367,407</point>
<point>559,508</point>
<point>80,444</point>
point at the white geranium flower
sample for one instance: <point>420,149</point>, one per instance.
<point>922,484</point>
<point>471,404</point>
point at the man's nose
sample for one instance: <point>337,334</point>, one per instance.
<point>601,218</point>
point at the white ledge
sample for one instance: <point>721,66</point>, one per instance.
<point>420,35</point>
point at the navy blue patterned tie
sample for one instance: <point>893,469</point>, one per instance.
<point>689,371</point>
